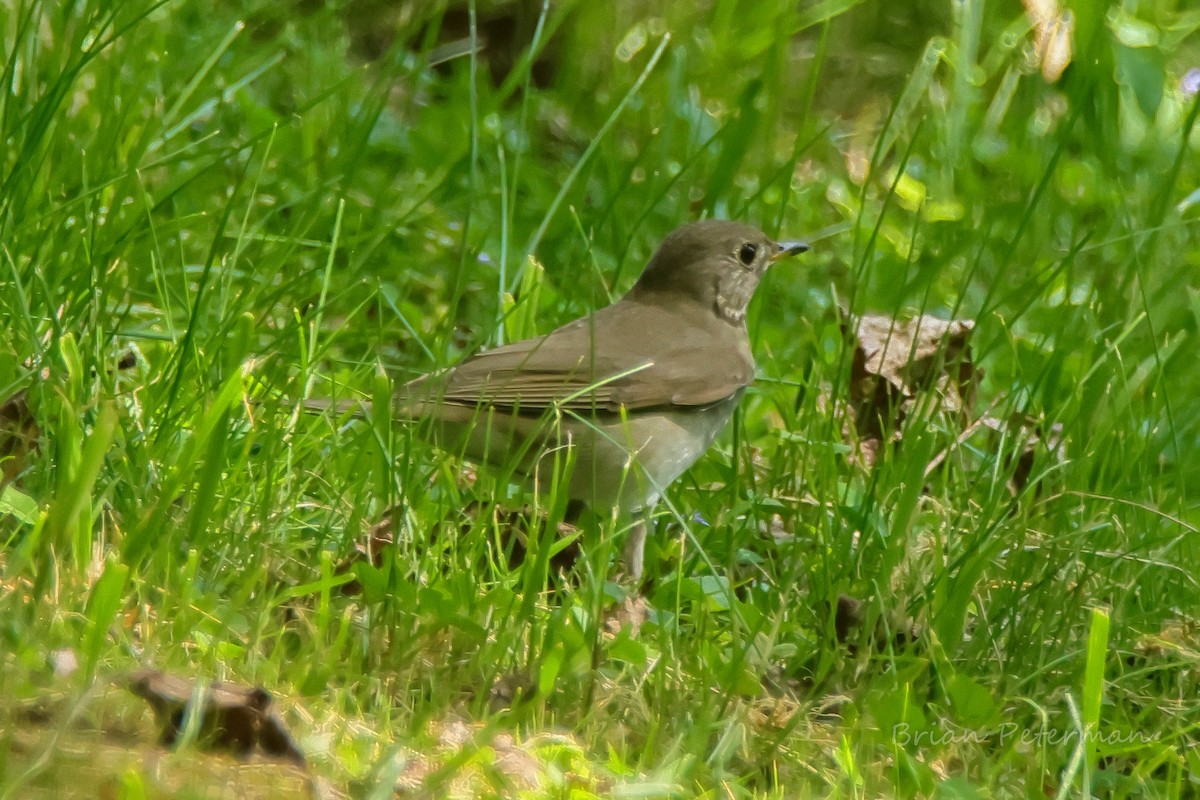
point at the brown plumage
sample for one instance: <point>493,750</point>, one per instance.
<point>677,339</point>
<point>639,389</point>
<point>636,391</point>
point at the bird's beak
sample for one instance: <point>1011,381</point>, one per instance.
<point>789,249</point>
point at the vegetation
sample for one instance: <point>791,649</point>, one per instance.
<point>210,212</point>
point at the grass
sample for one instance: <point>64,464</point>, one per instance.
<point>209,213</point>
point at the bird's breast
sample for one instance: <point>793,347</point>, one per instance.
<point>657,446</point>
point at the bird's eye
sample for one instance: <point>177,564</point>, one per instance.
<point>747,253</point>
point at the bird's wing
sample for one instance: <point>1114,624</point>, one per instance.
<point>604,362</point>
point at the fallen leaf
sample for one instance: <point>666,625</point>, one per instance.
<point>511,534</point>
<point>19,436</point>
<point>550,765</point>
<point>913,354</point>
<point>380,537</point>
<point>895,361</point>
<point>233,717</point>
<point>848,616</point>
<point>631,613</point>
<point>509,690</point>
<point>1177,639</point>
<point>1033,437</point>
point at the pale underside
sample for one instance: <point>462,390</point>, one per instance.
<point>608,460</point>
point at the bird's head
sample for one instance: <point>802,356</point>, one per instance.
<point>713,262</point>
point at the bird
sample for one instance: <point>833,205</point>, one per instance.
<point>635,392</point>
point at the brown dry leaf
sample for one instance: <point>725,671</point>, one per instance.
<point>1170,656</point>
<point>75,745</point>
<point>503,33</point>
<point>1034,436</point>
<point>19,435</point>
<point>773,713</point>
<point>1177,638</point>
<point>510,538</point>
<point>848,616</point>
<point>867,452</point>
<point>381,536</point>
<point>893,629</point>
<point>632,613</point>
<point>1051,438</point>
<point>511,533</point>
<point>895,361</point>
<point>233,717</point>
<point>509,689</point>
<point>127,360</point>
<point>516,766</point>
<point>915,354</point>
<point>521,768</point>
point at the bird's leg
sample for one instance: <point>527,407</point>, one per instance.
<point>635,548</point>
<point>634,556</point>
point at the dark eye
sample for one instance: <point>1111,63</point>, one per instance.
<point>747,253</point>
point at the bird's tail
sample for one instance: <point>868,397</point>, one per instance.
<point>412,401</point>
<point>319,405</point>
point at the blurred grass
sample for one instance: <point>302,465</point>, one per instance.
<point>208,213</point>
